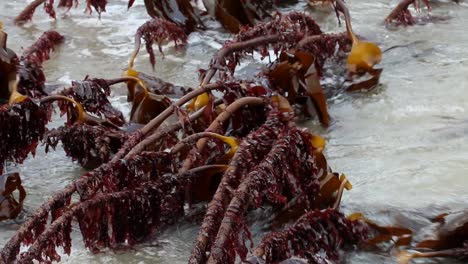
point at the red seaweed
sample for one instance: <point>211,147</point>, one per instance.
<point>157,30</point>
<point>31,76</point>
<point>89,145</point>
<point>22,126</point>
<point>317,236</point>
<point>93,96</point>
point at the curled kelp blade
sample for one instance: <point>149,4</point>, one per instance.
<point>8,68</point>
<point>401,236</point>
<point>295,75</point>
<point>364,55</point>
<point>364,83</point>
<point>10,188</point>
<point>146,106</point>
<point>450,231</point>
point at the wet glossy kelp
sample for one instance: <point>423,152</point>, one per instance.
<point>10,188</point>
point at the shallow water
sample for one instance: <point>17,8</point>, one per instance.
<point>403,146</point>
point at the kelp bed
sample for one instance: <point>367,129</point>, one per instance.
<point>232,144</point>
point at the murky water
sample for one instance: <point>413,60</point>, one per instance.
<point>404,146</point>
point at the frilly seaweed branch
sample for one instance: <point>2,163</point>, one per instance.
<point>32,78</point>
<point>23,125</point>
<point>279,34</point>
<point>317,236</point>
<point>28,12</point>
<point>157,30</point>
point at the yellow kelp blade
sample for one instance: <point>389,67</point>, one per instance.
<point>317,142</point>
<point>231,141</point>
<point>363,56</point>
<point>198,102</point>
<point>15,96</point>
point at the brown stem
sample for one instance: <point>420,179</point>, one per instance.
<point>217,168</point>
<point>343,184</point>
<point>136,50</point>
<point>184,142</point>
<point>217,124</point>
<point>161,133</point>
<point>260,141</point>
<point>83,117</point>
<point>79,108</point>
<point>28,11</point>
<point>402,6</point>
<point>310,39</point>
<point>138,145</point>
<point>242,197</point>
<point>349,28</point>
<point>230,48</point>
<point>9,251</point>
<point>157,121</point>
<point>36,249</point>
<point>289,147</point>
<point>119,80</point>
<point>43,239</point>
<point>153,124</point>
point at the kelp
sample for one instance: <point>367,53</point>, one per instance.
<point>26,15</point>
<point>234,15</point>
<point>8,67</point>
<point>281,33</point>
<point>10,207</point>
<point>22,127</point>
<point>157,31</point>
<point>295,75</point>
<point>362,58</point>
<point>401,15</point>
<point>179,12</point>
<point>317,236</point>
<point>92,95</point>
<point>267,182</point>
<point>22,121</point>
<point>238,148</point>
<point>161,87</point>
<point>324,47</point>
<point>31,76</point>
<point>89,145</point>
<point>448,238</point>
<point>259,142</point>
<point>146,105</point>
<point>364,55</point>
